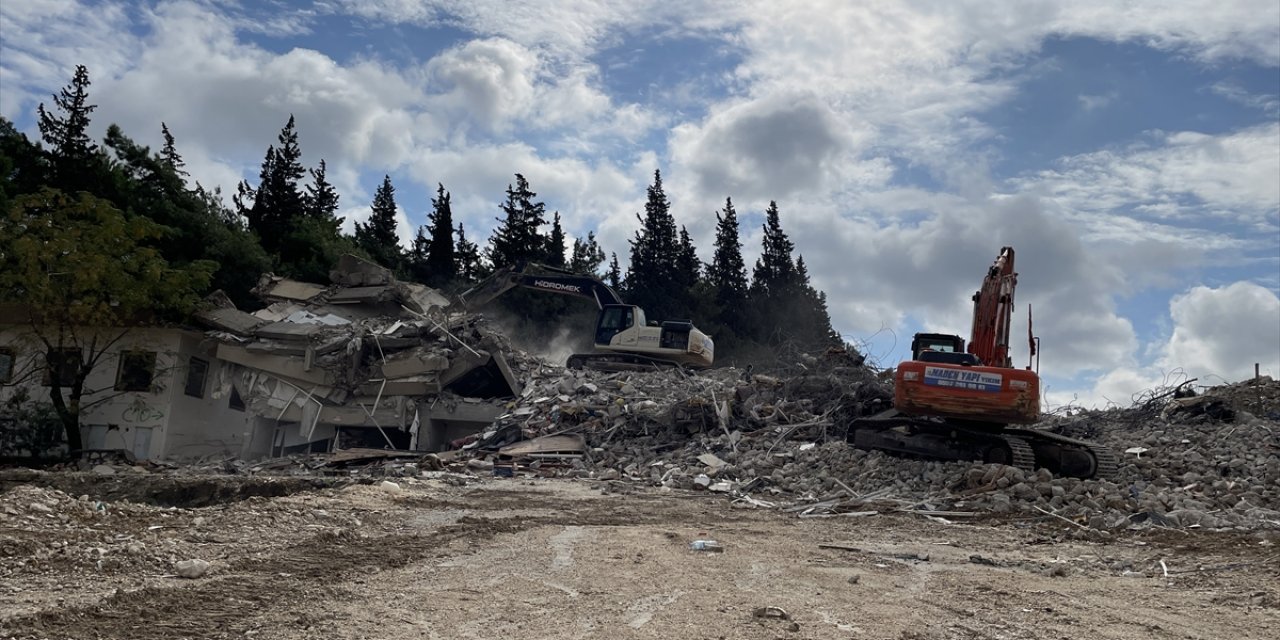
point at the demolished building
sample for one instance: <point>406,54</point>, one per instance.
<point>368,362</point>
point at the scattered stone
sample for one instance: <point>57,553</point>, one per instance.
<point>192,569</point>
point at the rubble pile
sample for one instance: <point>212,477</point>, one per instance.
<point>351,362</point>
<point>780,441</point>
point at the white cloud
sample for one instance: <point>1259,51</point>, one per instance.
<point>488,81</point>
<point>1234,92</point>
<point>1217,336</point>
<point>1186,176</point>
<point>1095,102</point>
<point>1221,332</point>
<point>767,148</point>
<point>44,40</point>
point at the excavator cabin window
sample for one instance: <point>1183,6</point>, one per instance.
<point>613,320</point>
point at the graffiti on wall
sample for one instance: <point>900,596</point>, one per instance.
<point>139,411</point>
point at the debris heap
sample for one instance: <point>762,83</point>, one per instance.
<point>1212,461</point>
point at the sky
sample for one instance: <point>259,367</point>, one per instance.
<point>1128,152</point>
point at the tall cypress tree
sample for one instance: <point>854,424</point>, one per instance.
<point>378,235</point>
<point>517,240</point>
<point>727,275</point>
<point>277,202</point>
<point>442,259</point>
<point>614,276</point>
<point>470,268</point>
<point>785,306</point>
<point>416,258</point>
<point>652,276</point>
<point>555,243</point>
<point>813,319</point>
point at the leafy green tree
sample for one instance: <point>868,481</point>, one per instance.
<point>653,275</point>
<point>517,240</point>
<point>587,256</point>
<point>85,273</point>
<point>76,163</point>
<point>378,236</point>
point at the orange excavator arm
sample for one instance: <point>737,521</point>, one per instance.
<point>993,312</point>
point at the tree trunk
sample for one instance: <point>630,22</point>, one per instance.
<point>69,412</point>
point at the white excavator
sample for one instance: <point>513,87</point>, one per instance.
<point>624,337</point>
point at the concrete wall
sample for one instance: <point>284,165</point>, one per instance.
<point>163,422</point>
<point>205,425</point>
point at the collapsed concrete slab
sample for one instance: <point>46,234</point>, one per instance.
<point>320,365</point>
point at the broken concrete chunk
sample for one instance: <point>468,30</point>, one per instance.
<point>271,286</point>
<point>419,298</point>
<point>364,295</point>
<point>353,271</point>
<point>711,460</point>
<point>286,330</point>
<point>230,320</point>
<point>413,362</point>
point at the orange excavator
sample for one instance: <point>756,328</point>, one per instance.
<point>956,404</point>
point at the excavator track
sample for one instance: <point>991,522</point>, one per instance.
<point>1026,449</point>
<point>618,362</point>
<point>1069,456</point>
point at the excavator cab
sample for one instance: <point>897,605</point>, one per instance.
<point>614,319</point>
<point>943,348</point>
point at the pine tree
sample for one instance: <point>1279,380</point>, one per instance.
<point>169,153</point>
<point>441,264</point>
<point>653,276</point>
<point>775,271</point>
<point>76,163</point>
<point>416,258</point>
<point>785,306</point>
<point>727,274</point>
<point>313,242</point>
<point>587,255</point>
<point>378,235</point>
<point>555,243</point>
<point>321,199</point>
<point>277,202</point>
<point>813,319</point>
<point>516,240</point>
<point>614,277</point>
<point>470,269</point>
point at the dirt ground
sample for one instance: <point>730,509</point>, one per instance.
<point>508,558</point>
